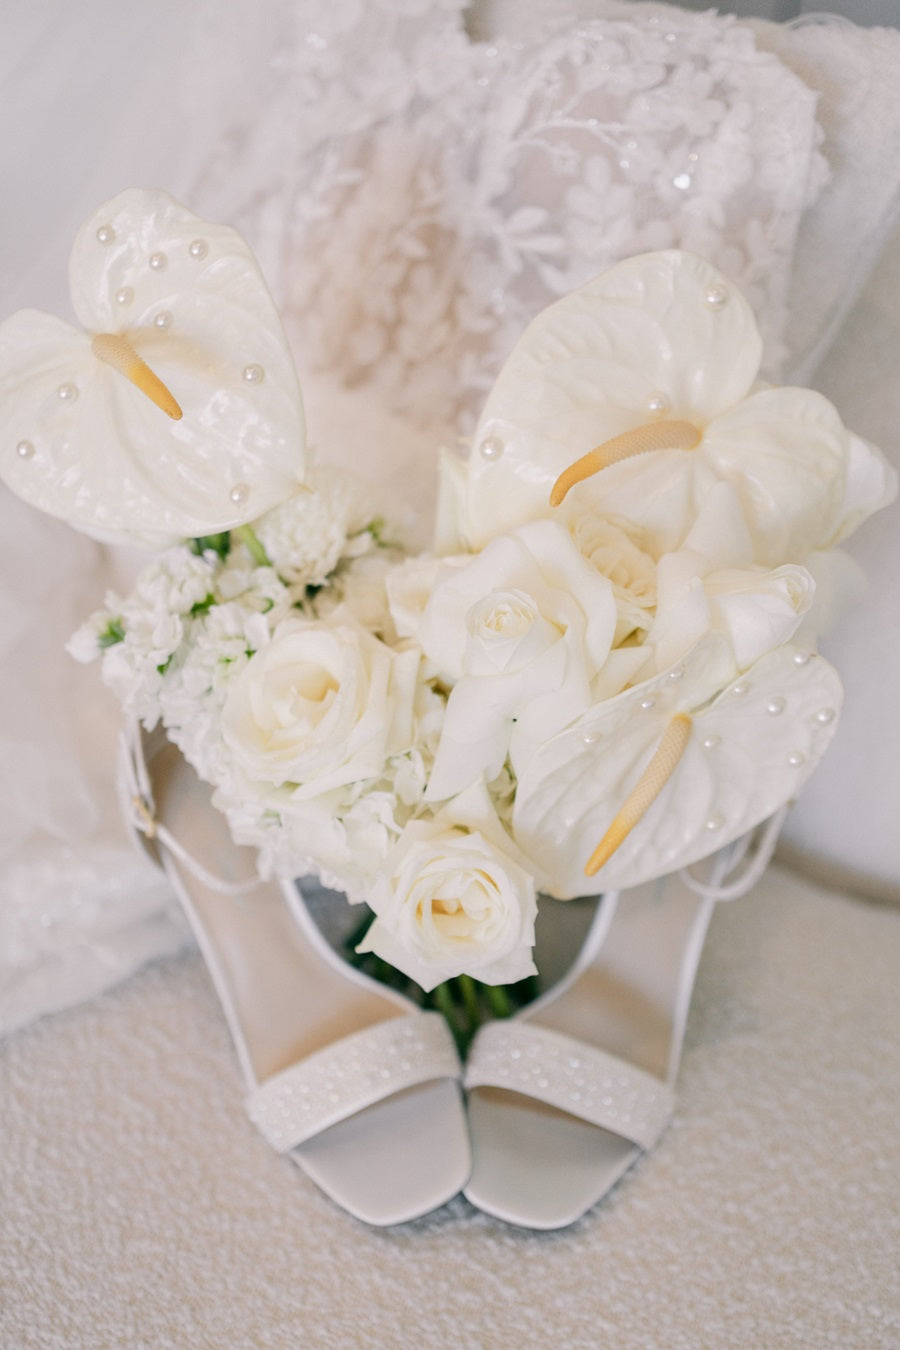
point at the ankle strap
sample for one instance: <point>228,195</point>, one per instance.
<point>139,810</point>
<point>757,847</point>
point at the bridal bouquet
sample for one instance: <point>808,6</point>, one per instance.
<point>604,671</point>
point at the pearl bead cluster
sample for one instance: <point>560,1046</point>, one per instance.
<point>572,1076</point>
<point>775,706</point>
<point>657,698</point>
<point>350,1075</point>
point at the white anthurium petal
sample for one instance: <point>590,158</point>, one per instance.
<point>750,750</point>
<point>682,614</point>
<point>663,493</point>
<point>719,535</point>
<point>870,484</point>
<point>188,298</point>
<point>449,530</point>
<point>786,452</point>
<point>660,334</point>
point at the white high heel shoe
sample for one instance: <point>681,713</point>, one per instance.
<point>359,1086</point>
<point>566,1095</point>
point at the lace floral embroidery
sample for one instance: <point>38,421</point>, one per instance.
<point>465,186</point>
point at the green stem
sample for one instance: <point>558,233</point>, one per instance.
<point>470,998</point>
<point>253,545</point>
<point>443,1001</point>
<point>500,1002</point>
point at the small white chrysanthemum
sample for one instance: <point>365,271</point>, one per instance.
<point>175,582</point>
<point>258,589</point>
<point>101,630</point>
<point>306,536</point>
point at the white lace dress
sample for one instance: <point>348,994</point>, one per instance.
<point>415,195</point>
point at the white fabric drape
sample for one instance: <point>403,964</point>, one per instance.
<point>415,195</point>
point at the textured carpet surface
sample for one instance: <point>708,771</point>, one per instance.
<point>141,1209</point>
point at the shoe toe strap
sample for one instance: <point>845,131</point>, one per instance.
<point>572,1076</point>
<point>351,1074</point>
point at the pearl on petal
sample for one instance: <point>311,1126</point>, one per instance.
<point>491,448</point>
<point>590,737</point>
<point>163,319</point>
<point>710,742</point>
<point>796,758</point>
<point>740,689</point>
<point>25,449</point>
<point>648,703</point>
<point>105,234</point>
<point>239,493</point>
<point>124,295</point>
<point>715,822</point>
<point>158,261</point>
<point>67,393</point>
<point>801,658</point>
<point>198,248</point>
<point>253,374</point>
<point>825,715</point>
<point>657,403</point>
<point>676,674</point>
<point>716,297</point>
<point>775,706</point>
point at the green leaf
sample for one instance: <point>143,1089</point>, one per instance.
<point>113,632</point>
<point>214,543</point>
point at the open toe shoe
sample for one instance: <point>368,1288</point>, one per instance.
<point>566,1095</point>
<point>348,1077</point>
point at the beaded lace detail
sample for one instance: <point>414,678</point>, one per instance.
<point>350,1075</point>
<point>574,1077</point>
<point>454,189</point>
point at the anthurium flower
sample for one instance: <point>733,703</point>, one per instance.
<point>176,412</point>
<point>633,396</point>
<point>674,768</point>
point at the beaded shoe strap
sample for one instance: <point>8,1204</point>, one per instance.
<point>349,1075</point>
<point>566,1073</point>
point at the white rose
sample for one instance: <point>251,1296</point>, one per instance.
<point>320,706</point>
<point>710,585</point>
<point>409,587</point>
<point>453,901</point>
<point>359,588</point>
<point>611,546</point>
<point>522,629</point>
